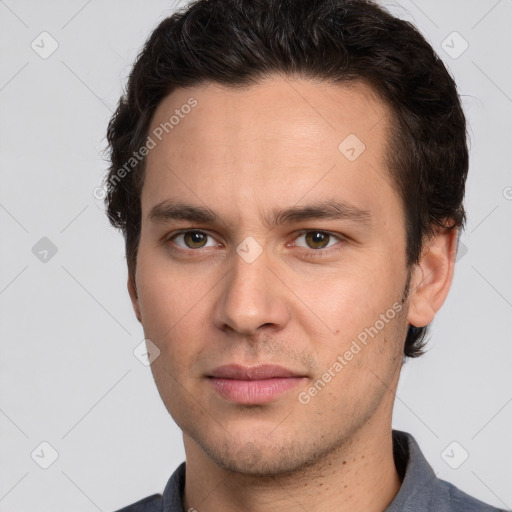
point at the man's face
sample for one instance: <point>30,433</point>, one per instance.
<point>257,288</point>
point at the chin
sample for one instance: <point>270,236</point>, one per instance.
<point>265,458</point>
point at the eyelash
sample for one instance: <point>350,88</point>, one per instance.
<point>307,251</point>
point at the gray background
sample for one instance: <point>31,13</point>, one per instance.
<point>68,373</point>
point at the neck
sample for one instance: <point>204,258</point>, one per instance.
<point>359,476</point>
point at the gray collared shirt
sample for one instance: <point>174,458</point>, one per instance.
<point>421,490</point>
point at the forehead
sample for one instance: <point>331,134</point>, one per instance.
<point>274,107</point>
<point>278,140</point>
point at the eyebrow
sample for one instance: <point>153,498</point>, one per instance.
<point>332,209</point>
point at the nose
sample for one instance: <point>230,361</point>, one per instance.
<point>252,297</point>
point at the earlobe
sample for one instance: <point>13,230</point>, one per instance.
<point>132,290</point>
<point>432,277</point>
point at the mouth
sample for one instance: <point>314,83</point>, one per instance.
<point>255,384</point>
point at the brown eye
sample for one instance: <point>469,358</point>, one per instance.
<point>317,239</point>
<point>194,239</point>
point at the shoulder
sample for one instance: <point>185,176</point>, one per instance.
<point>459,501</point>
<point>149,504</point>
<point>171,500</point>
<point>421,489</point>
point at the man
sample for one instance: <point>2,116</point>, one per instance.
<point>289,178</point>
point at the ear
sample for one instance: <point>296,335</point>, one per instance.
<point>132,290</point>
<point>432,277</point>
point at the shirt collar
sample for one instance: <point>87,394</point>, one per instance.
<point>418,490</point>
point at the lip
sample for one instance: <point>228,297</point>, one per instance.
<point>255,384</point>
<point>262,371</point>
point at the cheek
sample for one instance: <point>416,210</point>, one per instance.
<point>357,315</point>
<point>172,306</point>
<point>345,301</point>
<point>358,365</point>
